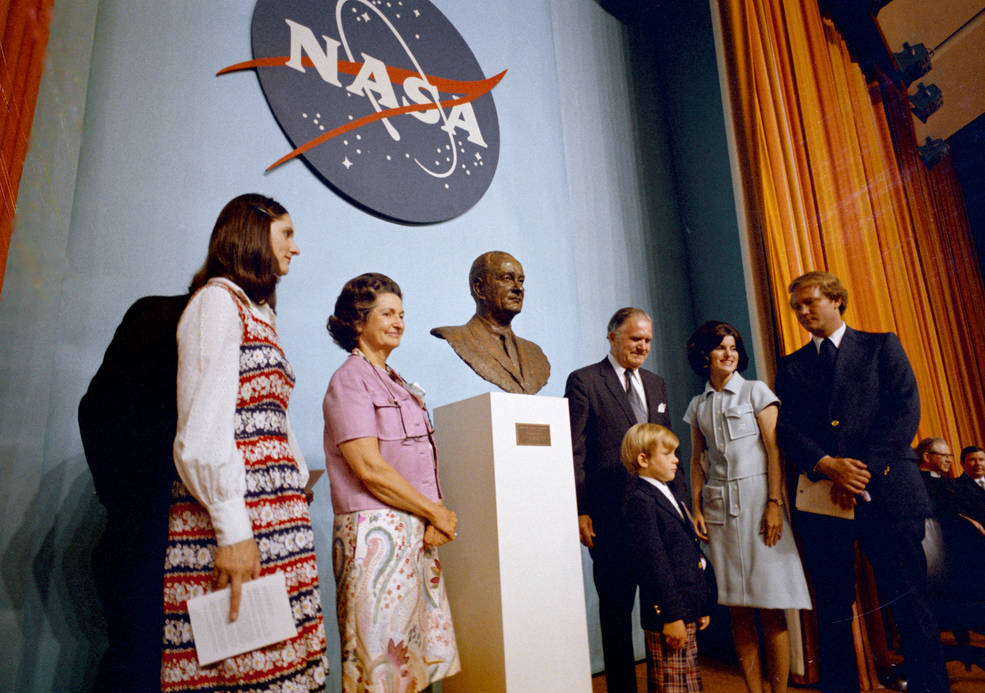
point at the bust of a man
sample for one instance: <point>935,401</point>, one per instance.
<point>486,342</point>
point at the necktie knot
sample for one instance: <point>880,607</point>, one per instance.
<point>828,352</point>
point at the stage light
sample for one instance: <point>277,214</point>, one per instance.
<point>926,101</point>
<point>913,61</point>
<point>932,151</point>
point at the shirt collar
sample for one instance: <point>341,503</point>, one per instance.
<point>503,331</point>
<point>835,338</point>
<point>262,310</point>
<point>664,488</point>
<point>655,482</point>
<point>618,368</point>
<point>732,385</point>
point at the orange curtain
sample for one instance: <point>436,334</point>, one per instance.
<point>833,180</point>
<point>24,25</point>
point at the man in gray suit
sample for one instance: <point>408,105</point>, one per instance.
<point>486,342</point>
<point>604,400</point>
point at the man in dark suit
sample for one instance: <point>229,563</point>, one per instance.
<point>850,409</point>
<point>935,460</point>
<point>602,408</point>
<point>128,418</point>
<point>966,528</point>
<point>969,488</point>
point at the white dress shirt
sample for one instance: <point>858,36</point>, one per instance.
<point>835,338</point>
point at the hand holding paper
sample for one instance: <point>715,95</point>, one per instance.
<point>848,473</point>
<point>235,564</point>
<point>266,619</point>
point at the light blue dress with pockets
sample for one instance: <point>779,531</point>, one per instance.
<point>733,501</point>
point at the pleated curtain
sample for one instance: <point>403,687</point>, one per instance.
<point>832,180</point>
<point>25,26</point>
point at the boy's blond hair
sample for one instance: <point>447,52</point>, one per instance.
<point>645,438</point>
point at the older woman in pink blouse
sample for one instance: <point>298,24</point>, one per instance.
<point>394,622</point>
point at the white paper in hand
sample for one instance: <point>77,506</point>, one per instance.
<point>264,618</point>
<point>815,497</point>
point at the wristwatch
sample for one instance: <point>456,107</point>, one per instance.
<point>778,501</point>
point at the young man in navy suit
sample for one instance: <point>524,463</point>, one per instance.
<point>849,411</point>
<point>602,409</point>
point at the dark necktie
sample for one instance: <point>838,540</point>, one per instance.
<point>639,411</point>
<point>826,360</point>
<point>828,354</point>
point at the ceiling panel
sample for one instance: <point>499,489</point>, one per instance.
<point>955,31</point>
<point>959,71</point>
<point>924,21</point>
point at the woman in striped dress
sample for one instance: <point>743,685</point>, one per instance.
<point>239,511</point>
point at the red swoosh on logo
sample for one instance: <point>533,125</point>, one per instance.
<point>471,89</point>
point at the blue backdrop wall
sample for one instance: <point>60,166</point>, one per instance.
<point>136,146</point>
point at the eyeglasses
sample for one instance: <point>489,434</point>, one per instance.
<point>942,454</point>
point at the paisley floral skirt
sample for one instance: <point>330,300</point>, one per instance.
<point>394,622</point>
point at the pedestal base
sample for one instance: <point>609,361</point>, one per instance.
<point>514,574</point>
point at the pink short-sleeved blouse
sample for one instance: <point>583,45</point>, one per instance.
<point>363,401</point>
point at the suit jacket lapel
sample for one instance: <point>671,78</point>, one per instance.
<point>808,375</point>
<point>616,389</point>
<point>849,354</point>
<point>664,503</point>
<point>493,347</point>
<point>652,403</point>
<point>851,357</point>
<point>972,484</point>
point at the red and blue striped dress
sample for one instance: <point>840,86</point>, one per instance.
<point>281,525</point>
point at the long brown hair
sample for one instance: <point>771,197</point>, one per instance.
<point>239,248</point>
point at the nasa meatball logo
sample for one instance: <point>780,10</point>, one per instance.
<point>383,99</point>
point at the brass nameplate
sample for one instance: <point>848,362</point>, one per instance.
<point>533,434</point>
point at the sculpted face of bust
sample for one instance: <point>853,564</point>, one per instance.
<point>487,342</point>
<point>498,288</point>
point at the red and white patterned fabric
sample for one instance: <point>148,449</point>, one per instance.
<point>281,526</point>
<point>672,671</point>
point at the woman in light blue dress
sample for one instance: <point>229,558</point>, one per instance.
<point>737,494</point>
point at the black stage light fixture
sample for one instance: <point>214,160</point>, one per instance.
<point>913,61</point>
<point>932,151</point>
<point>927,101</point>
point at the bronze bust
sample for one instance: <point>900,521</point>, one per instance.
<point>486,342</point>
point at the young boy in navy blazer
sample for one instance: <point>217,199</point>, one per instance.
<point>677,586</point>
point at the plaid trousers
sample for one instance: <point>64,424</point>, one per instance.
<point>672,671</point>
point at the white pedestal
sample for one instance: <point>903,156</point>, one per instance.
<point>514,574</point>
